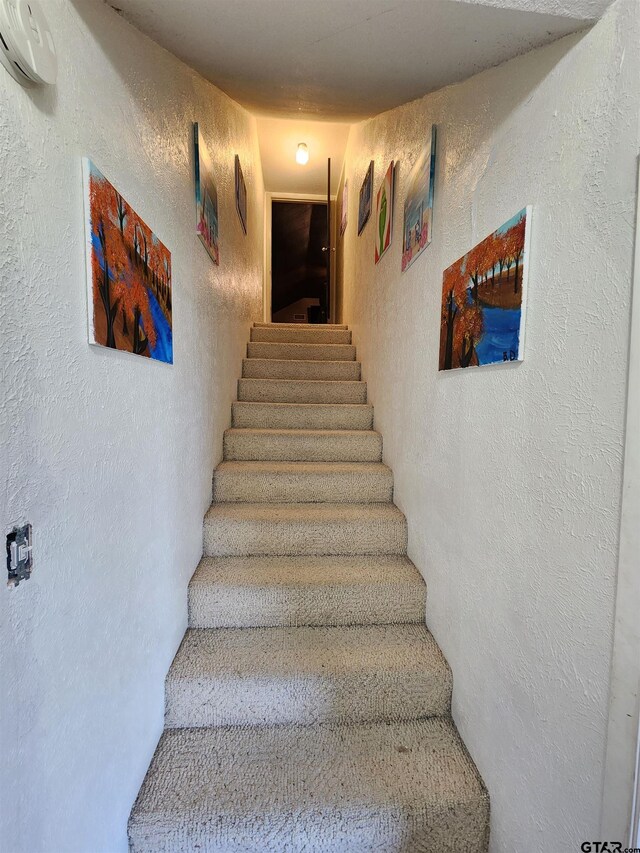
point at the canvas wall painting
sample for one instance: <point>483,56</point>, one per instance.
<point>384,213</point>
<point>483,299</point>
<point>366,196</point>
<point>418,204</point>
<point>128,274</point>
<point>206,198</point>
<point>241,195</point>
<point>344,208</point>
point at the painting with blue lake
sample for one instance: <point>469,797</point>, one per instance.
<point>128,274</point>
<point>483,299</point>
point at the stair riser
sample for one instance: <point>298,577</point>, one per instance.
<point>345,789</point>
<point>271,368</point>
<point>434,828</point>
<point>304,488</point>
<point>308,416</point>
<point>352,698</point>
<point>331,326</point>
<point>305,447</point>
<point>227,537</point>
<point>302,352</point>
<point>300,391</point>
<point>289,606</point>
<point>301,336</point>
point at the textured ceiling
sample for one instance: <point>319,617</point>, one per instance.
<point>348,59</point>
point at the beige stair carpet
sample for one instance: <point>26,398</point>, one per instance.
<point>296,351</point>
<point>253,415</point>
<point>264,591</point>
<point>270,368</point>
<point>303,445</point>
<point>303,482</point>
<point>308,707</point>
<point>267,676</point>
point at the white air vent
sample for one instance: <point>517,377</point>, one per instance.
<point>26,46</point>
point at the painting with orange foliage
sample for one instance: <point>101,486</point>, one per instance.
<point>483,299</point>
<point>128,274</point>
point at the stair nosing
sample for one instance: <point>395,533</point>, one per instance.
<point>300,431</point>
<point>324,381</point>
<point>286,403</point>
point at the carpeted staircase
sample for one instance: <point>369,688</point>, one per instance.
<point>307,708</point>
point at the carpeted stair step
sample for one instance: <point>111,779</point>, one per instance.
<point>307,482</point>
<point>302,352</point>
<point>308,707</point>
<point>303,445</point>
<point>302,415</point>
<point>234,529</point>
<point>285,368</point>
<point>300,325</point>
<point>306,675</point>
<point>259,591</point>
<point>293,334</point>
<point>301,391</point>
<point>341,788</point>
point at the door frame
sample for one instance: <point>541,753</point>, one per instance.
<point>270,197</point>
<point>621,790</point>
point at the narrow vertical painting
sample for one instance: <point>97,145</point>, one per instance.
<point>483,299</point>
<point>384,213</point>
<point>418,204</point>
<point>206,198</point>
<point>128,274</point>
<point>364,202</point>
<point>241,195</point>
<point>344,208</point>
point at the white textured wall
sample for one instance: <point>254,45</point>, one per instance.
<point>109,456</point>
<point>511,476</point>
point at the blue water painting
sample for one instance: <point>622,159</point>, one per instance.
<point>163,349</point>
<point>499,341</point>
<point>483,292</point>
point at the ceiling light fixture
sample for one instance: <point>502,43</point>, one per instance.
<point>302,154</point>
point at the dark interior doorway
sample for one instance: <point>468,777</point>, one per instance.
<point>299,278</point>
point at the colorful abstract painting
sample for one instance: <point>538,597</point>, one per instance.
<point>483,299</point>
<point>384,213</point>
<point>128,274</point>
<point>206,198</point>
<point>418,204</point>
<point>241,195</point>
<point>366,195</point>
<point>344,208</point>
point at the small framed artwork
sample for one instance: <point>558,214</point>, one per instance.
<point>345,202</point>
<point>384,213</point>
<point>418,204</point>
<point>128,274</point>
<point>484,299</point>
<point>206,198</point>
<point>241,195</point>
<point>364,203</point>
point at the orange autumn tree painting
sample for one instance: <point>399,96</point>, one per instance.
<point>482,312</point>
<point>128,274</point>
